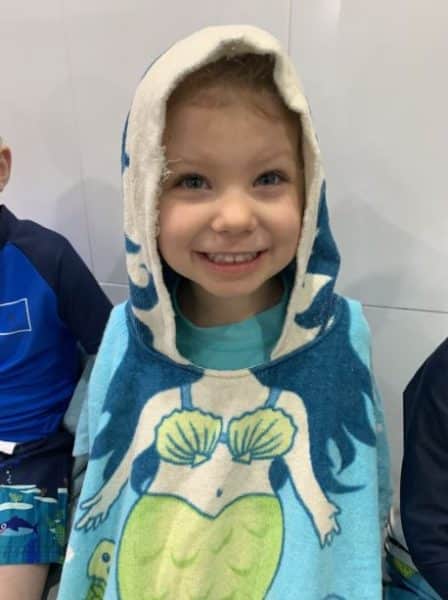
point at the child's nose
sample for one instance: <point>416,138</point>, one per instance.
<point>235,213</point>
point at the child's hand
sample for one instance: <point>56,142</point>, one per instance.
<point>327,524</point>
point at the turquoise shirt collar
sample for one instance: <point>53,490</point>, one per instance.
<point>235,346</point>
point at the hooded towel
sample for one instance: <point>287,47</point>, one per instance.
<point>269,482</point>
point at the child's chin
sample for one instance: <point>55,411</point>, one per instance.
<point>238,290</point>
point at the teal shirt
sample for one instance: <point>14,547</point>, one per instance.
<point>235,346</point>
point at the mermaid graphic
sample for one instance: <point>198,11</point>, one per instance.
<point>210,517</point>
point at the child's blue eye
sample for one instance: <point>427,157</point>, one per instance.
<point>269,178</point>
<point>192,182</point>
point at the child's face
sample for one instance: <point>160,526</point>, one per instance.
<point>231,207</point>
<point>5,166</point>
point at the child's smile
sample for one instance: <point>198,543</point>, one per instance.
<point>232,263</point>
<point>231,207</point>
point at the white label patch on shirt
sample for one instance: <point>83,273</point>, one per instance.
<point>15,317</point>
<point>7,447</point>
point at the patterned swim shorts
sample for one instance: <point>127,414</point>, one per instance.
<point>34,500</point>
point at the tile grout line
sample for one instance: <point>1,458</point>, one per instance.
<point>406,308</point>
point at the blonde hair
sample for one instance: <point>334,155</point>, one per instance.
<point>243,72</point>
<point>249,71</point>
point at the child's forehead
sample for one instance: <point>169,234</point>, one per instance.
<point>234,134</point>
<point>217,105</point>
<point>235,96</point>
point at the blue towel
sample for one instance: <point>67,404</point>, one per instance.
<point>269,482</point>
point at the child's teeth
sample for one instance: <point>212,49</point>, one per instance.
<point>232,258</point>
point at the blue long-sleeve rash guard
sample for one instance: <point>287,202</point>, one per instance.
<point>49,302</point>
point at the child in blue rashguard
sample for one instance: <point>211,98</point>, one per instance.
<point>49,305</point>
<point>236,440</point>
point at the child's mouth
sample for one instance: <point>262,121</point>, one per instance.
<point>231,261</point>
<point>224,258</point>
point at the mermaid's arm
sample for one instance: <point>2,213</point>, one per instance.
<point>98,506</point>
<point>298,459</point>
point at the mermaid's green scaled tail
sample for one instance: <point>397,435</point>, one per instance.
<point>171,551</point>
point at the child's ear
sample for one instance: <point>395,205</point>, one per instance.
<point>5,166</point>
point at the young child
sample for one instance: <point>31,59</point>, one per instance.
<point>236,440</point>
<point>49,303</point>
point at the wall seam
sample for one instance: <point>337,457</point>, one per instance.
<point>406,309</point>
<point>290,26</point>
<point>77,129</point>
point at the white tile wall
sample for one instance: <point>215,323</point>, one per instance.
<point>374,73</point>
<point>37,118</point>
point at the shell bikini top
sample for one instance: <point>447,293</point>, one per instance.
<point>190,436</point>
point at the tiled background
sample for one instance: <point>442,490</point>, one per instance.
<point>375,74</point>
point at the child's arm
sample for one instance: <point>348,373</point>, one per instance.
<point>424,478</point>
<point>82,304</point>
<point>85,309</point>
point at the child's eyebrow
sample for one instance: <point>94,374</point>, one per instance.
<point>275,155</point>
<point>204,160</point>
<point>194,164</point>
